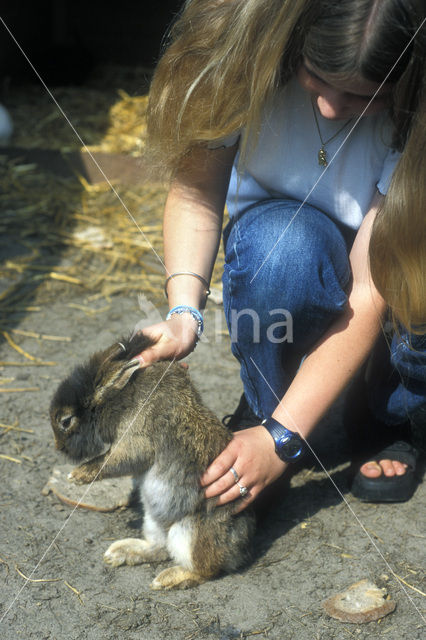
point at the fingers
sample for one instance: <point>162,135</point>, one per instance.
<point>221,483</point>
<point>218,472</point>
<point>251,453</point>
<point>165,347</point>
<point>227,489</point>
<point>149,356</point>
<point>234,495</point>
<point>244,502</point>
<point>174,339</point>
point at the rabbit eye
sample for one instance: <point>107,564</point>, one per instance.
<point>66,423</point>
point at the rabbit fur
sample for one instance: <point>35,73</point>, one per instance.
<point>157,429</point>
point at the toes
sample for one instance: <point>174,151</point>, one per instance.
<point>371,470</point>
<point>389,468</point>
<point>393,467</point>
<point>399,467</point>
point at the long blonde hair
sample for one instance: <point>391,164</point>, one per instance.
<point>225,58</point>
<point>398,239</point>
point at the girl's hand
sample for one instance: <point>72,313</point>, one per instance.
<point>176,338</point>
<point>252,454</point>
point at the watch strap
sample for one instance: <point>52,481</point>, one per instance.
<point>282,437</point>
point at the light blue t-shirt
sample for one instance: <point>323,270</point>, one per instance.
<point>284,162</point>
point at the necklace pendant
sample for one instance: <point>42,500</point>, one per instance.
<point>322,157</point>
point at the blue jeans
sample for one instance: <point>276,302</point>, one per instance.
<point>285,281</point>
<point>397,390</point>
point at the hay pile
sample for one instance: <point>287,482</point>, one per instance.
<point>58,233</point>
<point>109,121</point>
<point>63,236</point>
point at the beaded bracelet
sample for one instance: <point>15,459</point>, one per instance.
<point>183,308</point>
<point>187,273</point>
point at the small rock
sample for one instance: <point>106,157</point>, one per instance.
<point>361,602</point>
<point>103,495</point>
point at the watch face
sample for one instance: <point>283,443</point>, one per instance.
<point>290,446</point>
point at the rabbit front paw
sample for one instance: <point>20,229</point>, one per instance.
<point>133,551</point>
<point>81,475</point>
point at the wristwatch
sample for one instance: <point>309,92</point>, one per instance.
<point>289,445</point>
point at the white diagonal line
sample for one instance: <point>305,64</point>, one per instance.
<point>338,150</point>
<point>9,607</point>
<point>294,425</point>
<point>113,189</point>
<point>142,233</point>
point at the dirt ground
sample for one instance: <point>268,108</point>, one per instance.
<point>313,542</point>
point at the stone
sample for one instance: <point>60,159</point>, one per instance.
<point>103,495</point>
<point>359,603</point>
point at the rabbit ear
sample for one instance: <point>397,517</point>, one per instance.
<point>115,366</point>
<point>125,373</point>
<point>114,376</point>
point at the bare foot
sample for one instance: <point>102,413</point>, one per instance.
<point>388,467</point>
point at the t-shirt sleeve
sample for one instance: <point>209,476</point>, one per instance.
<point>228,141</point>
<point>389,165</point>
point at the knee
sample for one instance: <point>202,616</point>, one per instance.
<point>304,244</point>
<point>279,240</point>
<point>285,269</point>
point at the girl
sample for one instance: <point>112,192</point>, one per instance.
<point>308,117</point>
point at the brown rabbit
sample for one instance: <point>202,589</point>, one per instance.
<point>159,431</point>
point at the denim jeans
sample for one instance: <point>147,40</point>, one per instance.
<point>397,389</point>
<point>285,281</point>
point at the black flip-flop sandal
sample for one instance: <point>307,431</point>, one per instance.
<point>385,488</point>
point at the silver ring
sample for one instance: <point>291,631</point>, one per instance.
<point>243,490</point>
<point>235,474</point>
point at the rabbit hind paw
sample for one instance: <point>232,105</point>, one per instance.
<point>176,578</point>
<point>133,551</point>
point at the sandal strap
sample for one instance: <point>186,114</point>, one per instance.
<point>401,451</point>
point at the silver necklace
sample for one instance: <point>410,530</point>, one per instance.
<point>322,154</point>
